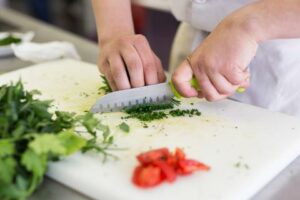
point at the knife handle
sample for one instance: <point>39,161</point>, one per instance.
<point>194,83</point>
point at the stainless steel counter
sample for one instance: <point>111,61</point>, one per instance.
<point>285,186</point>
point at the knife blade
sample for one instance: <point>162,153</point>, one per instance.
<point>162,92</point>
<point>116,101</point>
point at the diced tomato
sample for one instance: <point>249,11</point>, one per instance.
<point>150,156</point>
<point>147,176</point>
<point>159,165</point>
<point>189,166</point>
<point>167,170</point>
<point>179,154</point>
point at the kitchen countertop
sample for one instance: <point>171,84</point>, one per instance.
<point>284,186</point>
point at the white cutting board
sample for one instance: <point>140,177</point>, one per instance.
<point>227,133</point>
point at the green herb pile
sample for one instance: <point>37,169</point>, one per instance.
<point>179,113</point>
<point>31,136</point>
<point>155,111</point>
<point>152,111</point>
<point>9,40</point>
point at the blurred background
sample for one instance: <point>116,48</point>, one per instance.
<point>77,17</point>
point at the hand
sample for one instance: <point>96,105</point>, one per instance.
<point>219,63</point>
<point>128,62</point>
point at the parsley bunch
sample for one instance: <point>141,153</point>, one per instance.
<point>31,136</point>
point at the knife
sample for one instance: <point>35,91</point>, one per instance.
<point>118,100</point>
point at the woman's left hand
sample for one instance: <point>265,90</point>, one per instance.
<point>220,63</point>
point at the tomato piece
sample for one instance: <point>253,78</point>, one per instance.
<point>150,156</point>
<point>189,166</point>
<point>179,154</point>
<point>167,170</point>
<point>147,176</point>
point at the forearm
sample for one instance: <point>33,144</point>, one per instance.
<point>269,19</point>
<point>113,18</point>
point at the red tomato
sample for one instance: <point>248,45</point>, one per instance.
<point>159,165</point>
<point>189,166</point>
<point>167,170</point>
<point>150,156</point>
<point>179,154</point>
<point>147,176</point>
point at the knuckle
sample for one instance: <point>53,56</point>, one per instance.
<point>149,67</point>
<point>210,97</point>
<point>226,90</point>
<point>117,73</point>
<point>122,42</point>
<point>140,38</point>
<point>132,63</point>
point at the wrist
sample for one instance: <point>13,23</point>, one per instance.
<point>251,21</point>
<point>106,37</point>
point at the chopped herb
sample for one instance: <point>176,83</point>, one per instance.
<point>84,94</point>
<point>124,127</point>
<point>148,111</point>
<point>179,113</point>
<point>148,107</point>
<point>176,101</point>
<point>106,87</point>
<point>155,111</point>
<point>31,136</point>
<point>238,164</point>
<point>246,166</point>
<point>9,40</point>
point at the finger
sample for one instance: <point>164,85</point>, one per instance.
<point>103,66</point>
<point>104,69</point>
<point>222,85</point>
<point>246,83</point>
<point>160,70</point>
<point>181,80</point>
<point>118,72</point>
<point>144,50</point>
<point>134,66</point>
<point>208,90</point>
<point>236,75</point>
<point>200,95</point>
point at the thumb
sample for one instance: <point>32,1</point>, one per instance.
<point>181,80</point>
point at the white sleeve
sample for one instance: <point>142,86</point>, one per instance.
<point>205,14</point>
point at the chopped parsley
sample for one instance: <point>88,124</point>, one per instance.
<point>155,111</point>
<point>124,127</point>
<point>179,113</point>
<point>106,87</point>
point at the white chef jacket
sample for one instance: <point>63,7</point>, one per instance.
<point>275,70</point>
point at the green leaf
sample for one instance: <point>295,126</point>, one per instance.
<point>124,127</point>
<point>35,163</point>
<point>47,143</point>
<point>7,148</point>
<point>106,87</point>
<point>7,170</point>
<point>71,142</point>
<point>90,123</point>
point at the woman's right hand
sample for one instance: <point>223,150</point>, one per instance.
<point>129,62</point>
